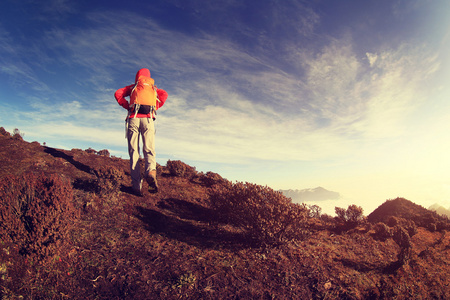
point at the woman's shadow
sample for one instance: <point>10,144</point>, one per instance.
<point>193,224</point>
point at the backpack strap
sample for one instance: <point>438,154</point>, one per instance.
<point>135,106</point>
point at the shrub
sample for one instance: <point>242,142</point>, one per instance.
<point>108,180</point>
<point>4,132</point>
<point>315,211</point>
<point>402,238</point>
<point>382,231</point>
<point>409,225</point>
<point>266,214</point>
<point>442,225</point>
<point>211,178</point>
<point>90,151</point>
<point>352,216</point>
<point>392,221</point>
<point>327,218</point>
<point>432,227</point>
<point>104,152</point>
<point>35,211</point>
<point>432,221</point>
<point>180,169</point>
<point>17,134</point>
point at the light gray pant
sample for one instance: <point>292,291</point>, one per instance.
<point>136,128</point>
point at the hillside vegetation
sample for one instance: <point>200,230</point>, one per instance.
<point>72,229</point>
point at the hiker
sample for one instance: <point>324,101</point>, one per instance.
<point>145,99</point>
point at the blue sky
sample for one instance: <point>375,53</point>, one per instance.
<point>349,95</point>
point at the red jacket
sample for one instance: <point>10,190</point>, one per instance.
<point>120,95</point>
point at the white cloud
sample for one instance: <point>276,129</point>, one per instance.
<point>228,105</point>
<point>372,58</point>
<point>338,109</point>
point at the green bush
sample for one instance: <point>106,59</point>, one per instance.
<point>266,214</point>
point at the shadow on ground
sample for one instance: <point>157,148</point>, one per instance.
<point>191,223</point>
<point>56,153</point>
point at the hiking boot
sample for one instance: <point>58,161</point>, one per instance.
<point>152,182</point>
<point>137,193</point>
<point>136,190</point>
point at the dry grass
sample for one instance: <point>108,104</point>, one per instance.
<point>187,242</point>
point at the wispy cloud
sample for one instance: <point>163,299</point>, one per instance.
<point>19,73</point>
<point>226,104</point>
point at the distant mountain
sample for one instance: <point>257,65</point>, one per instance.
<point>439,209</point>
<point>311,195</point>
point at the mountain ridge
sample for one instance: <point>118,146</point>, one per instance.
<point>311,195</point>
<point>440,209</point>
